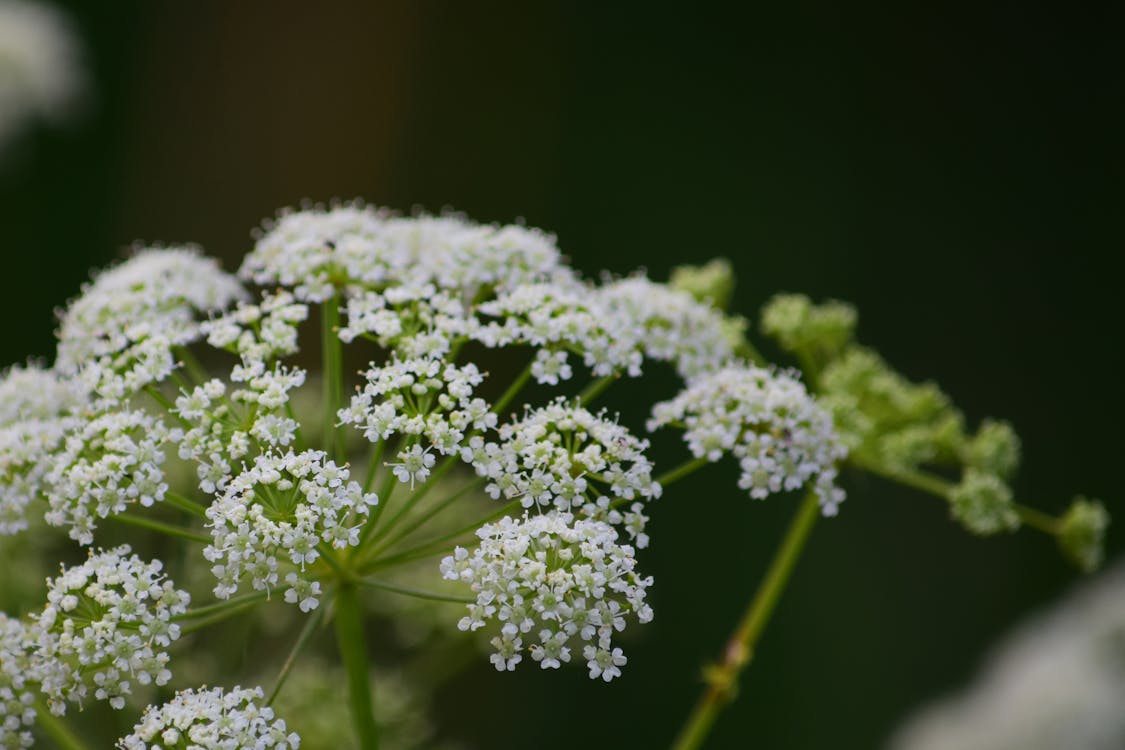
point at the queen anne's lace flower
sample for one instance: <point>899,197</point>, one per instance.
<point>107,622</point>
<point>17,712</point>
<point>104,465</point>
<point>425,400</point>
<point>563,456</point>
<point>780,435</point>
<point>668,325</point>
<point>552,580</point>
<point>37,408</point>
<point>315,251</point>
<point>276,513</point>
<point>157,296</point>
<point>198,719</point>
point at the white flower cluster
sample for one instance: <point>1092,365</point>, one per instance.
<point>412,320</point>
<point>276,513</point>
<point>560,317</point>
<point>424,400</point>
<point>552,579</point>
<point>107,621</point>
<point>211,719</point>
<point>37,409</point>
<point>86,463</point>
<point>782,438</point>
<point>613,327</point>
<point>17,712</point>
<point>415,285</point>
<point>668,325</point>
<point>563,456</point>
<point>122,329</point>
<point>316,250</point>
<point>40,75</point>
<point>106,464</point>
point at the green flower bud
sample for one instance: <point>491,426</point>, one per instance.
<point>804,328</point>
<point>1082,533</point>
<point>712,283</point>
<point>982,503</point>
<point>994,449</point>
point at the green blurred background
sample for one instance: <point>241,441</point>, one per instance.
<point>954,172</point>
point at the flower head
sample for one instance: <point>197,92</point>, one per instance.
<point>549,581</point>
<point>213,718</point>
<point>107,622</point>
<point>782,438</point>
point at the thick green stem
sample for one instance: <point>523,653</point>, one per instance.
<point>722,677</point>
<point>333,358</point>
<point>55,728</point>
<point>353,652</point>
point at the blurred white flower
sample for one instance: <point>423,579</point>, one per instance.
<point>1057,683</point>
<point>40,73</point>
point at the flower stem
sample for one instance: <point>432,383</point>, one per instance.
<point>722,678</point>
<point>681,471</point>
<point>55,728</point>
<point>333,357</point>
<point>223,605</point>
<point>513,390</point>
<point>421,519</point>
<point>162,528</point>
<point>418,593</point>
<point>943,488</point>
<point>416,496</point>
<point>302,639</point>
<point>185,504</point>
<point>433,546</point>
<point>353,652</point>
<point>595,388</point>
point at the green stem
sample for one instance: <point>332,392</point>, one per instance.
<point>197,371</point>
<point>595,388</point>
<point>681,471</point>
<point>513,390</point>
<point>418,593</point>
<point>433,546</point>
<point>1037,519</point>
<point>943,488</point>
<point>206,622</point>
<point>353,652</point>
<point>417,495</point>
<point>163,528</point>
<point>222,606</point>
<point>422,519</point>
<point>55,728</point>
<point>185,504</point>
<point>333,357</point>
<point>384,494</point>
<point>298,647</point>
<point>722,678</point>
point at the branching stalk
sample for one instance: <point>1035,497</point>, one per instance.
<point>722,677</point>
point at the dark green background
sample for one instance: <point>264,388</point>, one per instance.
<point>955,172</point>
